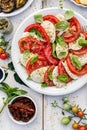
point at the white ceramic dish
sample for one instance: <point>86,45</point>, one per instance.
<point>18,11</point>
<point>3,74</point>
<point>71,87</point>
<point>21,122</point>
<point>78,4</point>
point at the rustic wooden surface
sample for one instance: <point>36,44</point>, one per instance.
<point>48,118</point>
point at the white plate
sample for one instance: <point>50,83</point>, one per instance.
<point>71,87</point>
<point>78,4</point>
<point>18,11</point>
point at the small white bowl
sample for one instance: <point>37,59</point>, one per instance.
<point>3,74</point>
<point>21,122</point>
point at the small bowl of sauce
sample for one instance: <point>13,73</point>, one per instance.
<point>2,74</point>
<point>22,110</point>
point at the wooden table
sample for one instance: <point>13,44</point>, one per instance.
<point>48,118</point>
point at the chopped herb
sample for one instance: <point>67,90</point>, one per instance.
<point>82,42</point>
<point>75,61</point>
<point>34,59</point>
<point>38,18</point>
<point>62,25</point>
<point>54,104</point>
<point>68,14</point>
<point>29,78</point>
<point>62,78</point>
<point>43,85</point>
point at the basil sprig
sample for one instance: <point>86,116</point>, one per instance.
<point>82,42</point>
<point>62,78</point>
<point>38,18</point>
<point>62,25</point>
<point>75,61</point>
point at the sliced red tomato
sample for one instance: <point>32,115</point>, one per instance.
<point>41,62</point>
<point>61,70</point>
<point>40,29</point>
<point>51,18</point>
<point>46,76</point>
<point>31,44</point>
<point>73,32</point>
<point>48,54</point>
<point>83,50</point>
<point>74,70</point>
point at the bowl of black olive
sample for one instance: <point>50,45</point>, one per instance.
<point>22,110</point>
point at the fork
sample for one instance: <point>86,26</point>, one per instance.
<point>84,28</point>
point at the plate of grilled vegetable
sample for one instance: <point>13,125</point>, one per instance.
<point>13,7</point>
<point>82,3</point>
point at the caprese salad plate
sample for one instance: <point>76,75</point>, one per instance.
<point>82,3</point>
<point>49,51</point>
<point>16,11</point>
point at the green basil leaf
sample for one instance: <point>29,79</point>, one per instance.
<point>62,25</point>
<point>34,59</point>
<point>10,66</point>
<point>26,54</point>
<point>62,54</point>
<point>29,78</point>
<point>62,78</point>
<point>38,18</point>
<point>68,14</point>
<point>43,85</point>
<point>3,42</point>
<point>82,42</point>
<point>54,50</point>
<point>75,61</point>
<point>60,41</point>
<point>50,74</point>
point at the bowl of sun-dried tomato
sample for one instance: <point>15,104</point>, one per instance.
<point>22,110</point>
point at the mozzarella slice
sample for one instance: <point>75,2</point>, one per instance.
<point>38,74</point>
<point>73,76</point>
<point>50,29</point>
<point>83,59</point>
<point>23,60</point>
<point>75,45</point>
<point>60,17</point>
<point>55,80</point>
<point>60,49</point>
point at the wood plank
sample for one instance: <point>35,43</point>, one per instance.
<point>5,122</point>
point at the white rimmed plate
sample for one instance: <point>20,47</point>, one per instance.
<point>71,87</point>
<point>78,4</point>
<point>18,11</point>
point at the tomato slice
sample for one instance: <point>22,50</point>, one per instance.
<point>61,70</point>
<point>41,62</point>
<point>48,54</point>
<point>74,70</point>
<point>40,29</point>
<point>83,50</point>
<point>73,32</point>
<point>31,44</point>
<point>46,77</point>
<point>51,18</point>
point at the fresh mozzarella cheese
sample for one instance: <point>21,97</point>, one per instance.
<point>60,17</point>
<point>38,74</point>
<point>55,80</point>
<point>73,76</point>
<point>75,45</point>
<point>60,49</point>
<point>24,60</point>
<point>50,29</point>
<point>83,59</point>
